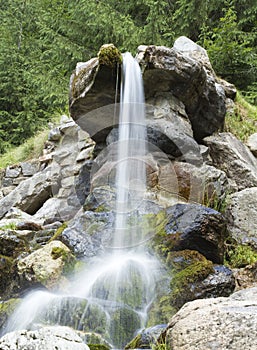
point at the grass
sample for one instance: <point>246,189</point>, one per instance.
<point>243,122</point>
<point>32,148</point>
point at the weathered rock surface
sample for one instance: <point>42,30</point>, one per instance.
<point>30,195</point>
<point>88,232</point>
<point>47,266</point>
<point>183,72</point>
<point>47,338</point>
<point>242,216</point>
<point>232,156</point>
<point>252,144</point>
<point>195,227</point>
<point>220,323</point>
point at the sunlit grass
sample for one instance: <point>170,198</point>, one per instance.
<point>32,148</point>
<point>243,122</point>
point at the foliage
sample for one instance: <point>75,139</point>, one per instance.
<point>240,255</point>
<point>31,148</point>
<point>42,40</point>
<point>231,49</point>
<point>242,121</point>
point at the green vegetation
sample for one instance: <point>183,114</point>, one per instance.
<point>98,347</point>
<point>31,148</point>
<point>41,42</point>
<point>240,255</point>
<point>242,123</point>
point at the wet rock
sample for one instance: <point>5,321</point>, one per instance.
<point>88,232</point>
<point>192,226</point>
<point>47,338</point>
<point>146,338</point>
<point>242,216</point>
<point>232,156</point>
<point>47,266</point>
<point>222,323</point>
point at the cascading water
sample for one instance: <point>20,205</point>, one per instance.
<point>113,294</point>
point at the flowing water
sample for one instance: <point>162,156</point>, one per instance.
<point>114,292</point>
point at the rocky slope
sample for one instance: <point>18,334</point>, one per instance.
<point>57,211</point>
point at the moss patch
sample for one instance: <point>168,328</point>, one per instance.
<point>98,347</point>
<point>59,231</point>
<point>6,309</point>
<point>109,55</point>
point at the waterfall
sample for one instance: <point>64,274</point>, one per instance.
<point>131,170</point>
<point>114,292</point>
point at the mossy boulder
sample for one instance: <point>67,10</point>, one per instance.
<point>48,266</point>
<point>109,55</point>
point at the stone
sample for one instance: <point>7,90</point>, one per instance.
<point>85,154</point>
<point>12,171</point>
<point>31,194</point>
<point>188,79</point>
<point>47,265</point>
<point>234,158</point>
<point>252,144</point>
<point>47,338</point>
<point>203,184</point>
<point>88,233</point>
<point>29,168</point>
<point>11,245</point>
<point>146,338</point>
<point>192,50</point>
<point>216,323</point>
<point>195,227</point>
<point>241,213</point>
<point>54,134</point>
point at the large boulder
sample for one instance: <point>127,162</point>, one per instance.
<point>47,266</point>
<point>193,226</point>
<point>47,338</point>
<point>252,143</point>
<point>234,158</point>
<point>31,194</point>
<point>242,216</point>
<point>181,73</point>
<point>216,323</point>
<point>88,232</point>
<point>188,75</point>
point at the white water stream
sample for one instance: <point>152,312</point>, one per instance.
<point>112,296</point>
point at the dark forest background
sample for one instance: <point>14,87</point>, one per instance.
<point>42,40</point>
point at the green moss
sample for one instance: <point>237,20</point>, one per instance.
<point>6,309</point>
<point>182,281</point>
<point>240,255</point>
<point>109,55</point>
<point>242,122</point>
<point>180,260</point>
<point>59,231</point>
<point>68,259</point>
<point>98,347</point>
<point>134,343</point>
<point>10,226</point>
<point>124,322</point>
